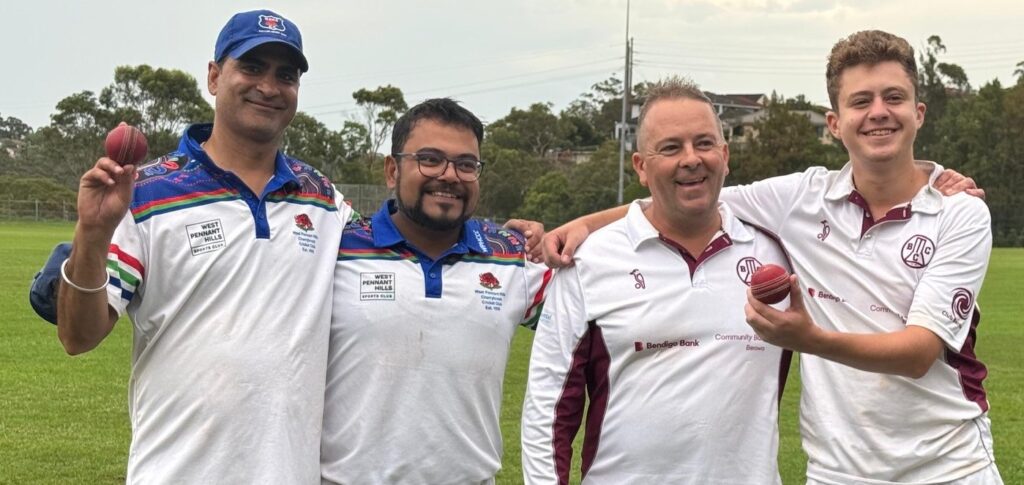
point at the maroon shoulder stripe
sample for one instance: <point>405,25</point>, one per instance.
<point>597,393</point>
<point>588,374</point>
<point>971,370</point>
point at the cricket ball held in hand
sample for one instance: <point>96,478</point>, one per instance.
<point>770,284</point>
<point>126,145</point>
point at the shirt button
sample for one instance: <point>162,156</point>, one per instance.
<point>868,236</point>
<point>433,275</point>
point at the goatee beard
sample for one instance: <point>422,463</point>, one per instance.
<point>416,214</point>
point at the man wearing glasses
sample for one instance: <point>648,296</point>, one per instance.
<point>426,303</point>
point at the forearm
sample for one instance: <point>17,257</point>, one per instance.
<point>598,220</point>
<point>909,353</point>
<point>84,319</point>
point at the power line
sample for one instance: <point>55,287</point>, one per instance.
<point>732,60</point>
<point>487,81</point>
<point>718,68</point>
<point>434,68</point>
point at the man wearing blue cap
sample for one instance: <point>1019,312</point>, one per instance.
<point>222,255</point>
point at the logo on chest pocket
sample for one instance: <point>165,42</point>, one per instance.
<point>206,237</point>
<point>917,252</point>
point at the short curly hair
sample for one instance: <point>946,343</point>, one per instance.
<point>869,47</point>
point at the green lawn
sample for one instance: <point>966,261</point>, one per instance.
<point>64,419</point>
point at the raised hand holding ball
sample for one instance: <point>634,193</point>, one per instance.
<point>126,145</point>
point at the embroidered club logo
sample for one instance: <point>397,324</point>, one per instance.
<point>270,22</point>
<point>302,222</point>
<point>639,278</point>
<point>489,281</point>
<point>918,251</point>
<point>963,301</point>
<point>746,267</point>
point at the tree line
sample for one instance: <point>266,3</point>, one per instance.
<point>534,168</point>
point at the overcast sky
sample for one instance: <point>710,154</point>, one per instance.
<point>492,55</point>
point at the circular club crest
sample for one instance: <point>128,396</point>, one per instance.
<point>918,251</point>
<point>963,302</point>
<point>745,268</point>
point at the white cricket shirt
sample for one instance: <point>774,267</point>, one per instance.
<point>922,264</point>
<point>680,389</point>
<point>418,352</point>
<point>229,295</point>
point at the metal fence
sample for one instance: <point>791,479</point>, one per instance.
<point>364,198</point>
<point>38,210</point>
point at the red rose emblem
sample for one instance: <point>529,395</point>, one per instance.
<point>302,222</point>
<point>487,280</point>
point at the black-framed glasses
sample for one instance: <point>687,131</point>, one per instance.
<point>433,164</point>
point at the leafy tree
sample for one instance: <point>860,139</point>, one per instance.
<point>381,109</point>
<point>506,177</point>
<point>12,128</point>
<point>340,155</point>
<point>801,103</point>
<point>546,199</point>
<point>596,182</point>
<point>979,136</point>
<point>534,130</point>
<point>311,141</point>
<point>569,192</point>
<point>1019,72</point>
<point>72,142</point>
<point>579,132</point>
<point>161,102</point>
<point>938,82</point>
<point>786,142</point>
<point>64,158</point>
<point>80,115</point>
<point>165,99</point>
<point>600,108</point>
<point>13,132</point>
<point>356,168</point>
<point>34,188</point>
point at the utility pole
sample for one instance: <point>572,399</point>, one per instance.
<point>627,83</point>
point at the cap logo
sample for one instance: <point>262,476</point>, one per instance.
<point>270,22</point>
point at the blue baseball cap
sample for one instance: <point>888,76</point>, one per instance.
<point>43,293</point>
<point>247,30</point>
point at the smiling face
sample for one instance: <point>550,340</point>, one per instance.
<point>441,203</point>
<point>876,114</point>
<point>682,160</point>
<point>257,94</point>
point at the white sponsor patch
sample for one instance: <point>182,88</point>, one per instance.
<point>376,286</point>
<point>206,237</point>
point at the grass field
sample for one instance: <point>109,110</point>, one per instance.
<point>64,419</point>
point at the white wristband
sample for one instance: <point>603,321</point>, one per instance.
<point>64,276</point>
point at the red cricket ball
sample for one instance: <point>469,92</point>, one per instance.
<point>126,145</point>
<point>770,284</point>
